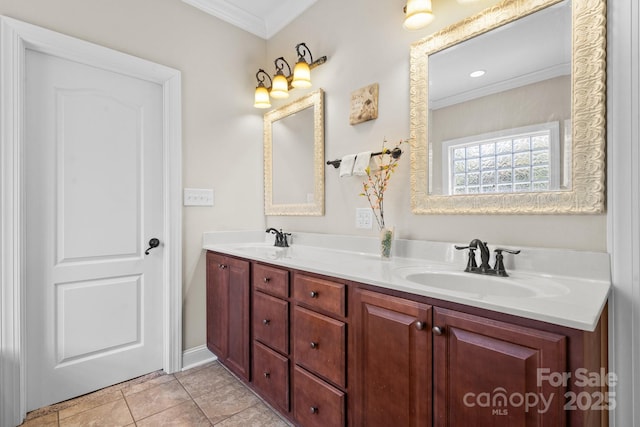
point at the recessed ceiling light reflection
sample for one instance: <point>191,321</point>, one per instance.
<point>477,73</point>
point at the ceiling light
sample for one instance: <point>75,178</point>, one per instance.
<point>477,73</point>
<point>418,14</point>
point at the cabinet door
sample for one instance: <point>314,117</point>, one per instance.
<point>217,305</point>
<point>239,343</point>
<point>491,372</point>
<point>390,369</point>
<point>228,311</point>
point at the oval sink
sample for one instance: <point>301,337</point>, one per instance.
<point>480,286</point>
<point>265,251</point>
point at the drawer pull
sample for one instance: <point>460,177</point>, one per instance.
<point>266,279</point>
<point>222,266</point>
<point>314,345</point>
<point>438,330</point>
<point>267,375</point>
<point>266,322</point>
<point>313,294</point>
<point>420,325</point>
<point>313,410</point>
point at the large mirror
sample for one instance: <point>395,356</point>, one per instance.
<point>294,157</point>
<point>508,111</point>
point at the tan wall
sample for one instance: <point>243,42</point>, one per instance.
<point>222,133</point>
<point>366,44</point>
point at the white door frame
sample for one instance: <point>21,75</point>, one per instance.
<point>15,38</point>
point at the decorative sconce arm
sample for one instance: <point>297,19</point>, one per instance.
<point>261,77</point>
<point>302,50</point>
<point>280,67</point>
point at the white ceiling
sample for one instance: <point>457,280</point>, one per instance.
<point>264,18</point>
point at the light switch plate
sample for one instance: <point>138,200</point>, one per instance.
<point>364,218</point>
<point>198,197</point>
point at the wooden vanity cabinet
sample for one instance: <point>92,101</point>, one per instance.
<point>390,361</point>
<point>228,312</point>
<point>333,353</point>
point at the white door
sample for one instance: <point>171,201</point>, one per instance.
<point>93,200</point>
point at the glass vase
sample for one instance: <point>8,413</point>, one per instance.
<point>386,242</point>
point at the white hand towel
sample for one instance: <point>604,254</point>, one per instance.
<point>346,165</point>
<point>362,163</point>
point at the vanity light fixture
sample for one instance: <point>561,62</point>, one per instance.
<point>418,14</point>
<point>261,98</point>
<point>281,83</point>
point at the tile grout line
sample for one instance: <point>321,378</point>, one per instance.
<point>128,408</point>
<point>194,401</point>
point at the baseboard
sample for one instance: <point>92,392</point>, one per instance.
<point>196,356</point>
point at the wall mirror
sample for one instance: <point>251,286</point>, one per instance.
<point>507,111</point>
<point>294,157</point>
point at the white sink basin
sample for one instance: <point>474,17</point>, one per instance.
<point>481,286</point>
<point>263,250</point>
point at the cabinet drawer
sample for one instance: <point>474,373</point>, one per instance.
<point>271,280</point>
<point>322,294</point>
<point>271,321</point>
<point>271,375</point>
<point>316,403</point>
<point>319,344</point>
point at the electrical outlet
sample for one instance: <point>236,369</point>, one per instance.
<point>198,197</point>
<point>364,218</point>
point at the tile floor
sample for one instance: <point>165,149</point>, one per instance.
<point>204,396</point>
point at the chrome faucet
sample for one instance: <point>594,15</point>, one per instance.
<point>281,237</point>
<point>484,268</point>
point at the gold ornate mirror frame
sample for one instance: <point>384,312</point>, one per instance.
<point>313,100</point>
<point>587,193</point>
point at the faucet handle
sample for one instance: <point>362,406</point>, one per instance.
<point>499,267</point>
<point>509,251</point>
<point>471,262</point>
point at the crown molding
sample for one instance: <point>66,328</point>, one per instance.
<point>262,26</point>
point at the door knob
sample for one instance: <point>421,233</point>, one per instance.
<point>153,243</point>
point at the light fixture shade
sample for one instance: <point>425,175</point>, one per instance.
<point>280,86</point>
<point>261,97</point>
<point>418,14</point>
<point>301,75</point>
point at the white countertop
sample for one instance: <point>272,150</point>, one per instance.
<point>563,287</point>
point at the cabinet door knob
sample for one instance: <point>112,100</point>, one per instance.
<point>222,266</point>
<point>438,330</point>
<point>313,294</point>
<point>266,321</point>
<point>313,410</point>
<point>314,345</point>
<point>266,279</point>
<point>420,325</point>
<point>267,374</point>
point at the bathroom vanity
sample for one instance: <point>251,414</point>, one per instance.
<point>339,337</point>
